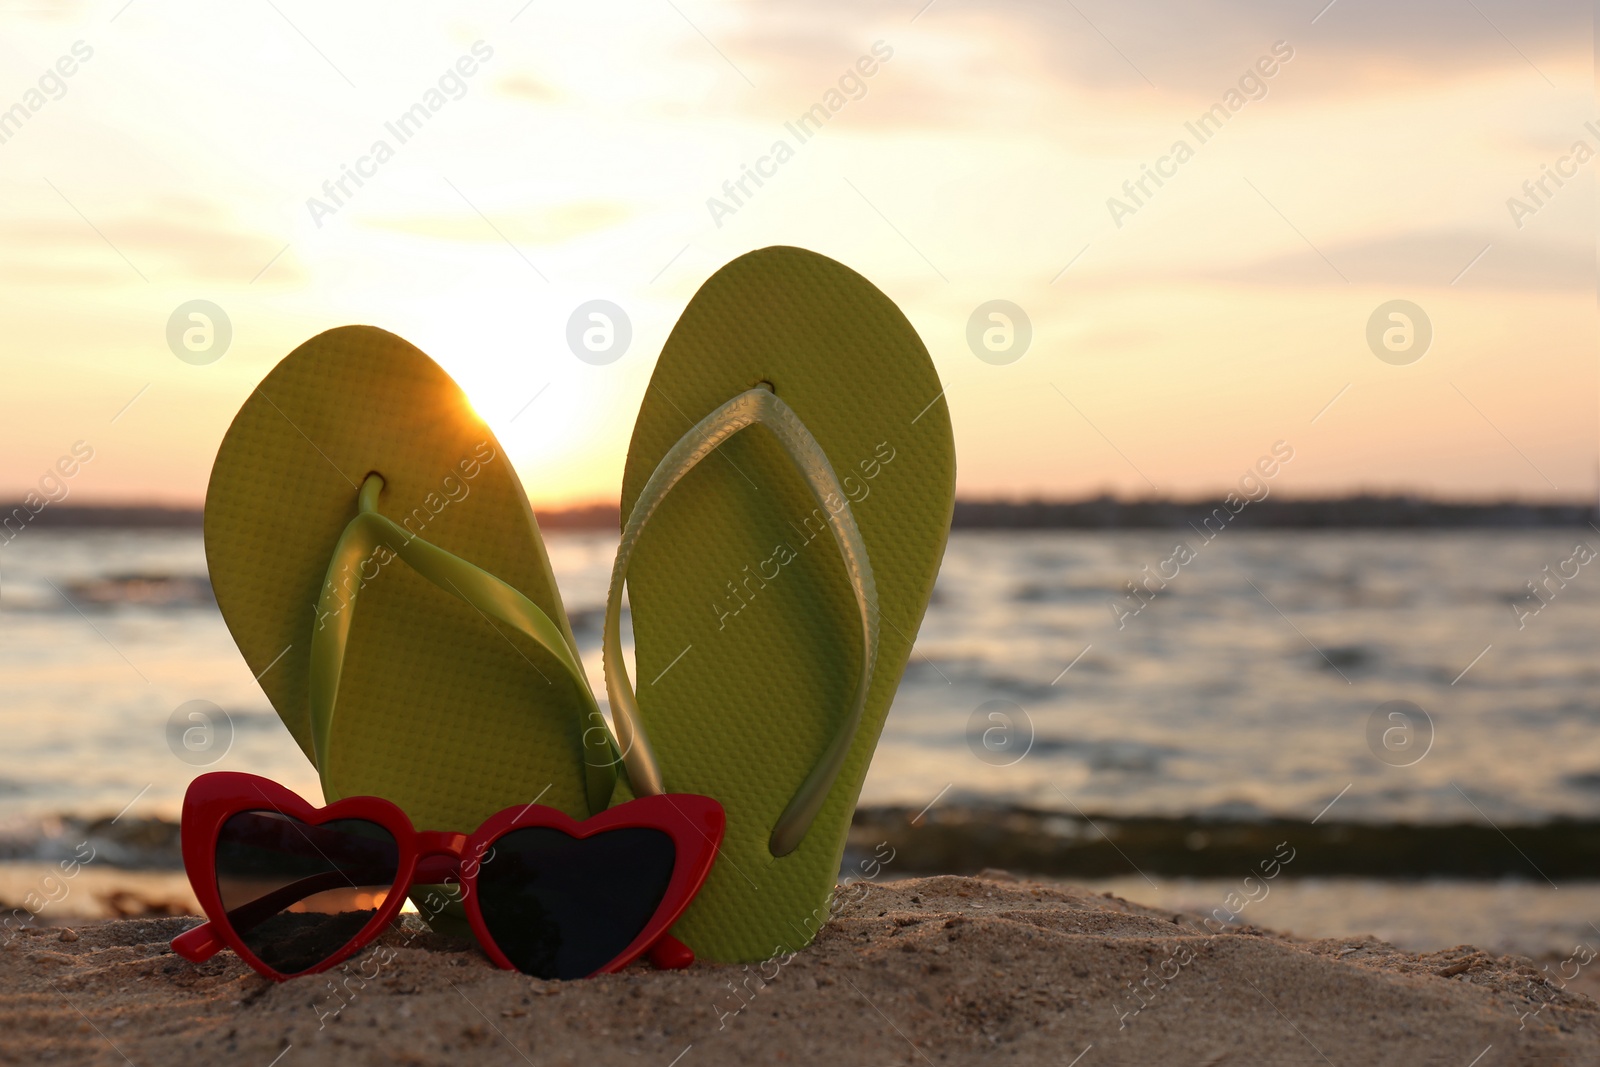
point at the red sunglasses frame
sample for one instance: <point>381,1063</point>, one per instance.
<point>694,823</point>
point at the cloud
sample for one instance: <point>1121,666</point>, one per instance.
<point>532,228</point>
<point>1427,259</point>
<point>1185,48</point>
<point>527,87</point>
<point>970,62</point>
<point>165,238</point>
<point>56,274</point>
<point>68,12</point>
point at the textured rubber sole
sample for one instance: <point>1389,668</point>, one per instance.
<point>747,636</point>
<point>440,710</point>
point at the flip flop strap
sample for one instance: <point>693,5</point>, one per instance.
<point>489,595</point>
<point>758,405</point>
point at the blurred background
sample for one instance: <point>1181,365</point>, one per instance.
<point>1155,252</point>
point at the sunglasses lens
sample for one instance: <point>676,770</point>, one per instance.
<point>560,907</point>
<point>297,893</point>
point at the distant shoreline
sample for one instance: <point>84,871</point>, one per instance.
<point>1097,513</point>
<point>964,838</point>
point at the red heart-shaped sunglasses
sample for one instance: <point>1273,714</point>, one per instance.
<point>295,889</point>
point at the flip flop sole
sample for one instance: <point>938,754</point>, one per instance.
<point>747,633</point>
<point>447,714</point>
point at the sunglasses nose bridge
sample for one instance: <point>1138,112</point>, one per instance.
<point>441,842</point>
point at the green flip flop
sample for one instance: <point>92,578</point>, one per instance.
<point>777,578</point>
<point>358,472</point>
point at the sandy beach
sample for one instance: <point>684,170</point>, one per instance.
<point>929,970</point>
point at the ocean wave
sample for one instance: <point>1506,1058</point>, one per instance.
<point>965,839</point>
<point>150,591</point>
<point>126,842</point>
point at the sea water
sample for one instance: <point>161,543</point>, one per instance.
<point>1263,678</point>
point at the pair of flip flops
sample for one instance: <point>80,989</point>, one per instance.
<point>378,563</point>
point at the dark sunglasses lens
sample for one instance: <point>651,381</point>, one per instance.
<point>560,907</point>
<point>295,892</point>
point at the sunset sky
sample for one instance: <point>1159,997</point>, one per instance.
<point>1174,340</point>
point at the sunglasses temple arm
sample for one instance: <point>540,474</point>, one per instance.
<point>201,943</point>
<point>197,945</point>
<point>249,916</point>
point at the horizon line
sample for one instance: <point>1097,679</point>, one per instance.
<point>1034,499</point>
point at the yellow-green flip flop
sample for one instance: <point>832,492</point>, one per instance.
<point>786,503</point>
<point>377,562</point>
